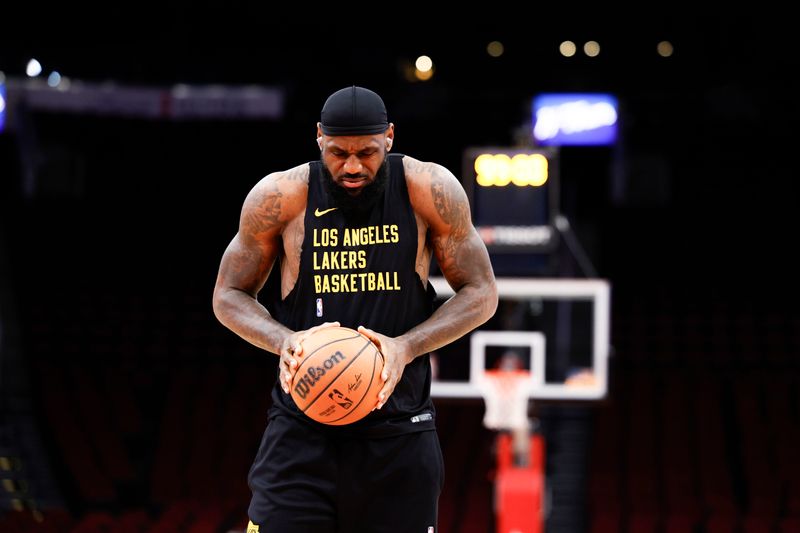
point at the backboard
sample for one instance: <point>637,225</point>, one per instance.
<point>567,352</point>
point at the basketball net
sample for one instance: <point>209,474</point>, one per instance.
<point>505,393</point>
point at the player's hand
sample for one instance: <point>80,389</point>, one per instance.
<point>291,354</point>
<point>396,355</point>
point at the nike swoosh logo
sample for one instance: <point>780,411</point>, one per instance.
<point>318,213</point>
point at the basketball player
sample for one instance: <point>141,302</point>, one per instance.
<point>353,235</point>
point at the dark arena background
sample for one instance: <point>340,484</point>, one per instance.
<point>125,405</point>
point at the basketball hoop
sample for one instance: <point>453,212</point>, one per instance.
<point>505,393</point>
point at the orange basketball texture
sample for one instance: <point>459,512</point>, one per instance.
<point>338,379</point>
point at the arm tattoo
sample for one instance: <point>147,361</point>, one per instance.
<point>414,166</point>
<point>455,213</point>
<point>265,212</point>
<point>296,173</point>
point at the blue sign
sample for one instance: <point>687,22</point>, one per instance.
<point>2,106</point>
<point>561,119</point>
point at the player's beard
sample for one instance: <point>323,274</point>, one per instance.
<point>359,203</point>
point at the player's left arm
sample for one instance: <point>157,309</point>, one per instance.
<point>439,199</point>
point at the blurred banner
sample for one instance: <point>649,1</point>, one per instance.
<point>180,102</point>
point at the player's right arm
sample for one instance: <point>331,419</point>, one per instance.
<point>247,262</point>
<point>269,209</point>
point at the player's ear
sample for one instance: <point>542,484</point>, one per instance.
<point>319,135</point>
<point>389,136</point>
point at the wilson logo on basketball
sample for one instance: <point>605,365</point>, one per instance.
<point>314,374</point>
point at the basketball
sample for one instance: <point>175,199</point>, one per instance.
<point>338,378</point>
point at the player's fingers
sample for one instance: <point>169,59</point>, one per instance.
<point>288,367</point>
<point>290,353</point>
<point>389,369</point>
<point>285,379</point>
<point>291,367</point>
<point>283,376</point>
<point>297,349</point>
<point>386,391</point>
<point>371,335</point>
<point>388,382</point>
<point>383,396</point>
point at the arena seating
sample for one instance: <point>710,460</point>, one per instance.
<point>154,412</point>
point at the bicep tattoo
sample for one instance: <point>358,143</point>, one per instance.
<point>451,207</point>
<point>262,212</point>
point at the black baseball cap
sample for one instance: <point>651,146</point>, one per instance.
<point>354,111</point>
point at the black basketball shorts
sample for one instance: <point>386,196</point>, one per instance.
<point>307,481</point>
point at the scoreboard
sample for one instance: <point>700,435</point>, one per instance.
<point>513,194</point>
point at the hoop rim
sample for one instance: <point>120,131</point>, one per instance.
<point>506,398</point>
<point>496,373</point>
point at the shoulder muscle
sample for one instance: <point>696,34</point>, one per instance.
<point>273,202</point>
<point>437,196</point>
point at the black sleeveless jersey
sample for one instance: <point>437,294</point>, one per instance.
<point>362,272</point>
